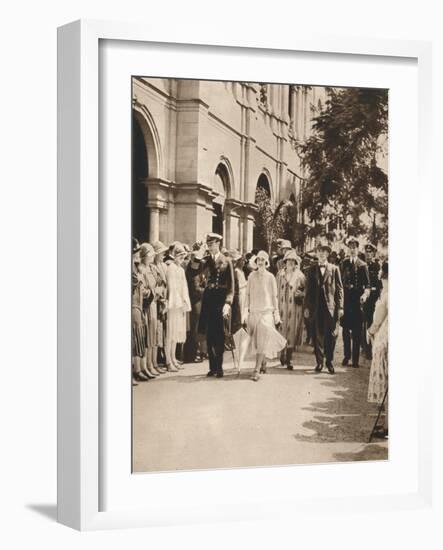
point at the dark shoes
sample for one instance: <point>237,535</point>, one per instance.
<point>140,377</point>
<point>345,362</point>
<point>355,365</point>
<point>216,374</point>
<point>290,366</point>
<point>319,368</point>
<point>330,368</point>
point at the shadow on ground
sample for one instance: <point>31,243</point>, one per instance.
<point>372,451</point>
<point>346,416</point>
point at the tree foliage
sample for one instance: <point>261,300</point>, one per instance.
<point>272,223</point>
<point>342,159</point>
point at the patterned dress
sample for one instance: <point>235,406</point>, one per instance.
<point>378,376</point>
<point>159,272</point>
<point>290,302</point>
<point>138,318</point>
<point>150,306</point>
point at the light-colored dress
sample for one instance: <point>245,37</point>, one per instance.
<point>178,303</point>
<point>378,376</point>
<point>261,305</point>
<point>290,301</point>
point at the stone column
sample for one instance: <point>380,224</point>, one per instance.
<point>154,224</point>
<point>293,109</point>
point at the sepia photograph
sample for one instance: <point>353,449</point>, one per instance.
<point>260,273</point>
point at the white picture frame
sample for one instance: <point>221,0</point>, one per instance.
<point>79,390</point>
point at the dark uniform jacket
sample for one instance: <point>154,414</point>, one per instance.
<point>327,287</point>
<point>196,282</point>
<point>375,283</point>
<point>220,287</point>
<point>355,279</point>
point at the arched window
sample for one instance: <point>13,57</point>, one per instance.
<point>221,187</point>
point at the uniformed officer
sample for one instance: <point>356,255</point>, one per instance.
<point>375,289</point>
<point>355,277</point>
<point>216,303</point>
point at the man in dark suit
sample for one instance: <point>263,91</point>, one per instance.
<point>324,307</point>
<point>216,303</point>
<point>355,277</point>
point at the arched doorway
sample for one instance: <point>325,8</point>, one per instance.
<point>140,171</point>
<point>263,218</point>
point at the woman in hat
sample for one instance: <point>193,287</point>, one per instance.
<point>261,314</point>
<point>378,335</point>
<point>291,292</point>
<point>147,255</point>
<point>178,305</point>
<point>159,271</point>
<point>138,321</point>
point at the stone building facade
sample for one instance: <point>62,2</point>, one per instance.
<point>201,148</point>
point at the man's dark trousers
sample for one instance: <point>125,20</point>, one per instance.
<point>324,334</point>
<point>352,328</point>
<point>215,337</point>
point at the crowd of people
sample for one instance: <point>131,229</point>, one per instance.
<point>187,302</point>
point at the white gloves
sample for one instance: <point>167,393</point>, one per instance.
<point>226,310</point>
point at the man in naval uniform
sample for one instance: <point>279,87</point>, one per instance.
<point>216,303</point>
<point>355,278</point>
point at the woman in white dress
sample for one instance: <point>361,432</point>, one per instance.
<point>261,315</point>
<point>178,304</point>
<point>378,335</point>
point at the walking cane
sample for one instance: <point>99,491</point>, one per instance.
<point>236,365</point>
<point>378,415</point>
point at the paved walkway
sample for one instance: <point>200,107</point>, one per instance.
<point>188,421</point>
